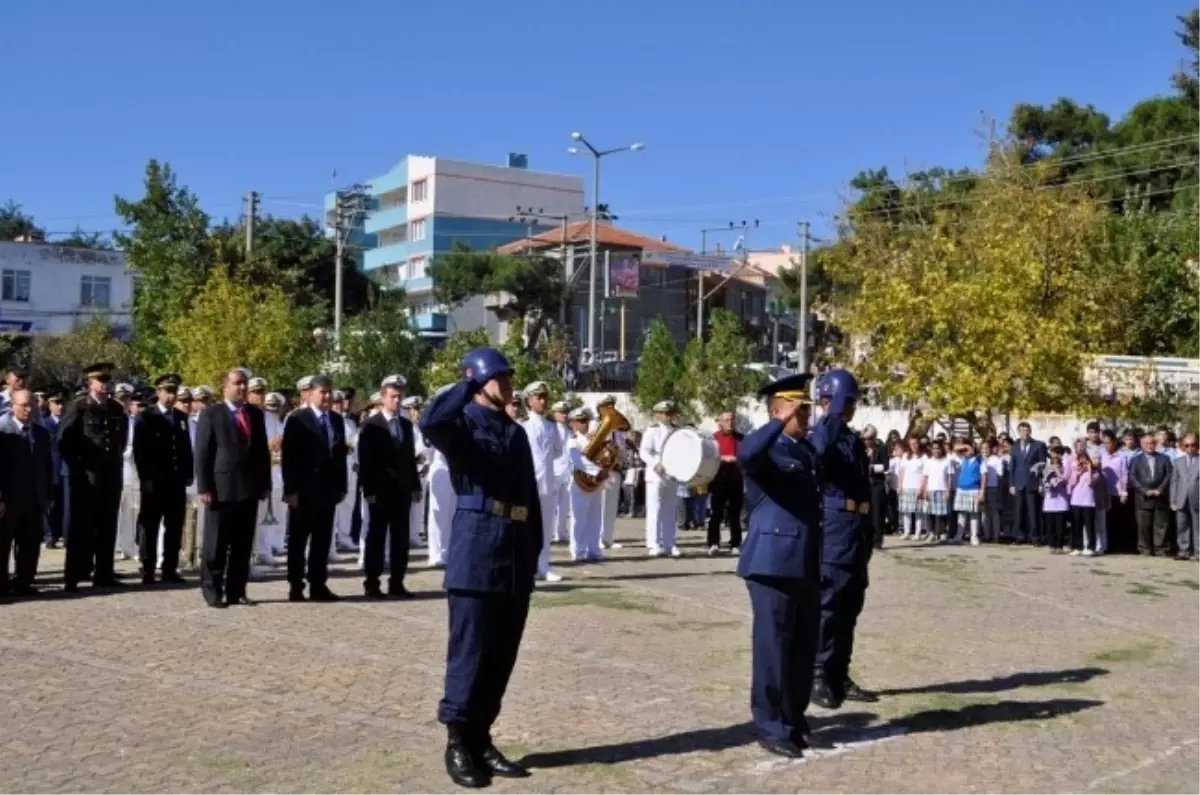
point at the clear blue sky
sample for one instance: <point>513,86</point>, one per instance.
<point>752,109</point>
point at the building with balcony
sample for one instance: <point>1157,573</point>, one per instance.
<point>45,288</point>
<point>424,205</point>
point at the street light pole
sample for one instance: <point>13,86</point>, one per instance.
<point>593,257</point>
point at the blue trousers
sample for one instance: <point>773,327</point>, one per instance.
<point>485,635</point>
<point>786,615</point>
<point>843,591</point>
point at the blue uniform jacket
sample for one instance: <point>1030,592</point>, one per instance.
<point>783,492</point>
<point>491,469</point>
<point>845,467</point>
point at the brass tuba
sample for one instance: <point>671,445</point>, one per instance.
<point>602,450</point>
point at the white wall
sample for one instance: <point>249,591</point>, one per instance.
<point>421,167</point>
<point>56,274</point>
<point>478,191</point>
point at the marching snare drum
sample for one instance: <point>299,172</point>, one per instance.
<point>690,457</point>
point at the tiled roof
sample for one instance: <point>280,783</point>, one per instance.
<point>580,232</point>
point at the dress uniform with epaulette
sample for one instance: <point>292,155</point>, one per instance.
<point>491,561</point>
<point>847,548</point>
<point>91,442</point>
<point>781,562</point>
<point>162,452</point>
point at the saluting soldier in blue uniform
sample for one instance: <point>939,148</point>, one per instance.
<point>492,559</point>
<point>847,547</point>
<point>780,560</point>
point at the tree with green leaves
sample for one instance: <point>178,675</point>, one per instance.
<point>59,358</point>
<point>380,342</point>
<point>445,366</point>
<point>543,364</point>
<point>14,224</point>
<point>169,249</point>
<point>660,370</point>
<point>81,239</point>
<point>725,381</point>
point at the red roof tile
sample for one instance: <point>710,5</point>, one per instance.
<point>580,232</point>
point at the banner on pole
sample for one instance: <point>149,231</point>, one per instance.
<point>625,275</point>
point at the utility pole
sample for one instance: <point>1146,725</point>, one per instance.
<point>700,296</point>
<point>252,198</point>
<point>526,215</point>
<point>348,210</point>
<point>802,340</point>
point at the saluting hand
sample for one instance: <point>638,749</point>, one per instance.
<point>206,498</point>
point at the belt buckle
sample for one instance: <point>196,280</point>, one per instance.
<point>851,506</point>
<point>519,513</point>
<point>498,508</point>
<point>864,508</point>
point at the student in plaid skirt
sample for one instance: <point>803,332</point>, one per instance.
<point>936,489</point>
<point>968,497</point>
<point>911,474</point>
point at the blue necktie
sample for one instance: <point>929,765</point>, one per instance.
<point>327,429</point>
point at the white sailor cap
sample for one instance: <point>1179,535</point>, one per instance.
<point>202,391</point>
<point>581,413</point>
<point>607,400</point>
<point>244,372</point>
<point>537,388</point>
<point>339,396</point>
<point>123,389</point>
<point>397,381</point>
<point>376,398</point>
<point>412,402</point>
<point>273,400</point>
<point>561,406</point>
<point>304,383</point>
<point>664,407</point>
<point>183,393</point>
<point>257,384</point>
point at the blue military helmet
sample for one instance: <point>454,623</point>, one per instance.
<point>839,386</point>
<point>483,364</point>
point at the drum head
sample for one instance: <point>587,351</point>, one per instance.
<point>683,454</point>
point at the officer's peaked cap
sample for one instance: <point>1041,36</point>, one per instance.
<point>664,407</point>
<point>123,389</point>
<point>273,399</point>
<point>304,383</point>
<point>169,379</point>
<point>257,384</point>
<point>792,387</point>
<point>412,401</point>
<point>100,370</point>
<point>397,381</point>
<point>321,380</point>
<point>537,388</point>
<point>580,413</point>
<point>562,406</point>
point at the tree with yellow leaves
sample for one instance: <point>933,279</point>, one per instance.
<point>231,323</point>
<point>986,302</point>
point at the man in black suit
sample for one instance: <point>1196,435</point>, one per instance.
<point>26,490</point>
<point>233,473</point>
<point>1028,457</point>
<point>1149,480</point>
<point>387,473</point>
<point>162,452</point>
<point>314,482</point>
<point>91,441</point>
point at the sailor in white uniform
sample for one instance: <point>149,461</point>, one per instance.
<point>343,515</point>
<point>423,452</point>
<point>662,500</point>
<point>562,474</point>
<point>272,512</point>
<point>442,500</point>
<point>546,447</point>
<point>585,505</point>
<point>610,494</point>
<point>127,546</point>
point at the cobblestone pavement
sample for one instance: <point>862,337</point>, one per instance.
<point>1003,669</point>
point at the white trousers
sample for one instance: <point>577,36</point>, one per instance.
<point>562,509</point>
<point>269,537</point>
<point>343,514</point>
<point>548,503</point>
<point>610,498</point>
<point>442,500</point>
<point>127,521</point>
<point>585,524</point>
<point>662,503</point>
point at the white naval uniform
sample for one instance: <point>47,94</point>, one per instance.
<point>562,485</point>
<point>585,505</point>
<point>416,514</point>
<point>127,544</point>
<point>546,448</point>
<point>442,503</point>
<point>662,500</point>
<point>610,493</point>
<point>343,514</point>
<point>268,538</point>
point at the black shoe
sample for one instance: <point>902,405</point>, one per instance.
<point>243,601</point>
<point>25,590</point>
<point>785,748</point>
<point>373,591</point>
<point>461,764</point>
<point>71,587</point>
<point>108,582</point>
<point>823,695</point>
<point>853,692</point>
<point>399,592</point>
<point>495,761</point>
<point>148,579</point>
<point>321,593</point>
<point>213,598</point>
<point>173,577</point>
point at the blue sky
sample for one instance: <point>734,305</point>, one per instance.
<point>749,109</point>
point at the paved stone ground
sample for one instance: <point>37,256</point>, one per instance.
<point>1003,669</point>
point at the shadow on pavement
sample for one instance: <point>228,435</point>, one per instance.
<point>1000,684</point>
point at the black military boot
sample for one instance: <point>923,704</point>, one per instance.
<point>461,764</point>
<point>823,695</point>
<point>855,693</point>
<point>497,763</point>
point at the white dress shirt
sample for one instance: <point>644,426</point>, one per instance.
<point>651,450</point>
<point>544,443</point>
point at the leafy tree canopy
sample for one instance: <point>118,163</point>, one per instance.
<point>379,342</point>
<point>14,223</point>
<point>59,358</point>
<point>661,374</point>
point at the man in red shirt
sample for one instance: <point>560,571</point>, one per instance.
<point>726,488</point>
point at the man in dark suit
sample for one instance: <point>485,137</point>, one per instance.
<point>387,473</point>
<point>91,441</point>
<point>233,473</point>
<point>314,482</point>
<point>162,452</point>
<point>1185,498</point>
<point>1028,457</point>
<point>52,422</point>
<point>26,490</point>
<point>1150,480</point>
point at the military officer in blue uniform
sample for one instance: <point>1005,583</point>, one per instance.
<point>780,560</point>
<point>494,545</point>
<point>847,547</point>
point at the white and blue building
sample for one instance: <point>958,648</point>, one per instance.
<point>423,205</point>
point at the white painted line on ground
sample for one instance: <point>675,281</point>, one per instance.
<point>1149,761</point>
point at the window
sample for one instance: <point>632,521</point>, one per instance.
<point>94,291</point>
<point>420,190</point>
<point>416,229</point>
<point>16,285</point>
<point>416,268</point>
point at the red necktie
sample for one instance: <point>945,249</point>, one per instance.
<point>243,423</point>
